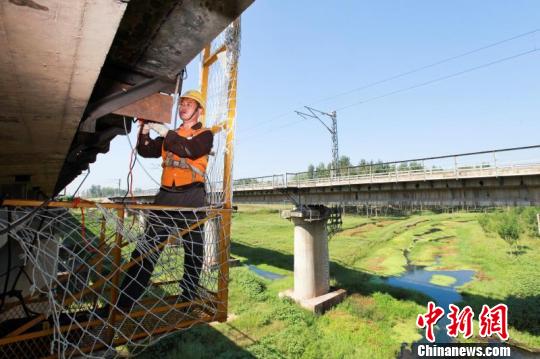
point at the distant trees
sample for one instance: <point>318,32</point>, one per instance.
<point>310,171</point>
<point>344,162</point>
<point>97,191</point>
<point>512,225</point>
<point>323,170</point>
<point>363,167</point>
<point>509,229</point>
<point>245,181</point>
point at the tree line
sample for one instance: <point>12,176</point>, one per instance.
<point>364,167</point>
<point>97,191</point>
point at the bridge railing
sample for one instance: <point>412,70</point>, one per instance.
<point>270,182</point>
<point>506,162</point>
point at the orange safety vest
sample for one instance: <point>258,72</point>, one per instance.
<point>181,171</point>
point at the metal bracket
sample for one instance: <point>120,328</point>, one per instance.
<point>120,99</point>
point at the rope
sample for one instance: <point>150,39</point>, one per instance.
<point>165,271</point>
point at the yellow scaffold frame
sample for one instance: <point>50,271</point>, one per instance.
<point>22,335</point>
<point>208,60</point>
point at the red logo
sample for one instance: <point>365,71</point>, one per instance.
<point>429,319</point>
<point>491,321</point>
<point>460,321</point>
<point>494,321</point>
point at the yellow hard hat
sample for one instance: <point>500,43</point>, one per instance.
<point>194,95</point>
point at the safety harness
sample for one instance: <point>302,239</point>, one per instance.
<point>181,163</point>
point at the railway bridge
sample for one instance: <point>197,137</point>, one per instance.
<point>504,177</point>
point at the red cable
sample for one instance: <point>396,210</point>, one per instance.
<point>83,227</point>
<point>88,244</point>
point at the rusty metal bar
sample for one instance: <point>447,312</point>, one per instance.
<point>89,204</point>
<point>121,341</point>
<point>121,99</point>
<point>130,264</point>
<point>100,257</point>
<point>26,326</point>
<point>94,261</point>
<point>156,107</point>
<point>28,299</point>
<point>117,260</point>
<point>92,323</point>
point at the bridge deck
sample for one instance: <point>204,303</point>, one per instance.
<point>281,181</point>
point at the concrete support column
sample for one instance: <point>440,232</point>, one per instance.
<point>311,272</point>
<point>311,259</point>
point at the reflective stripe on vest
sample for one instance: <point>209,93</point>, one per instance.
<point>180,171</point>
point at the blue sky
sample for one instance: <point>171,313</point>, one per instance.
<point>295,53</point>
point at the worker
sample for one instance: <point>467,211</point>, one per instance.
<point>185,154</point>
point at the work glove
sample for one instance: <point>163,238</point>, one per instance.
<point>159,128</point>
<point>145,129</point>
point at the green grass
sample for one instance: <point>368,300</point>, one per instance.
<point>442,280</point>
<point>374,319</point>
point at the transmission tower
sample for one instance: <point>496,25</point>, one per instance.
<point>313,113</point>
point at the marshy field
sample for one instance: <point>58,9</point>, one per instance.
<point>390,266</point>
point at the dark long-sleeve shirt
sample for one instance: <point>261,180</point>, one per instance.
<point>195,147</point>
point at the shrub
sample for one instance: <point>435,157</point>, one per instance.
<point>251,285</point>
<point>529,221</point>
<point>508,227</point>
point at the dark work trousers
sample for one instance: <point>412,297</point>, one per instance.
<point>161,224</point>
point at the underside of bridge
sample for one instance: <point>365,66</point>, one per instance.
<point>70,69</point>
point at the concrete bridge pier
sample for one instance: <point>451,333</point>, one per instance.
<point>311,259</point>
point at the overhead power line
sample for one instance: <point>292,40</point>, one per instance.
<point>425,67</point>
<point>399,75</point>
<point>439,79</point>
<point>425,83</point>
<point>423,159</point>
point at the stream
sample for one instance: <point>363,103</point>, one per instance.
<point>418,278</point>
<point>265,274</point>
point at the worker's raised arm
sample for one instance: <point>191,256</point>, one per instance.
<point>148,147</point>
<point>194,147</point>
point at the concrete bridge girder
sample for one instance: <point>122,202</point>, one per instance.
<point>475,192</point>
<point>51,58</point>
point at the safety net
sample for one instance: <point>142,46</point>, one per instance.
<point>85,280</point>
<point>98,279</point>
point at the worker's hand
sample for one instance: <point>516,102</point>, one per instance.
<point>159,128</point>
<point>145,129</point>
